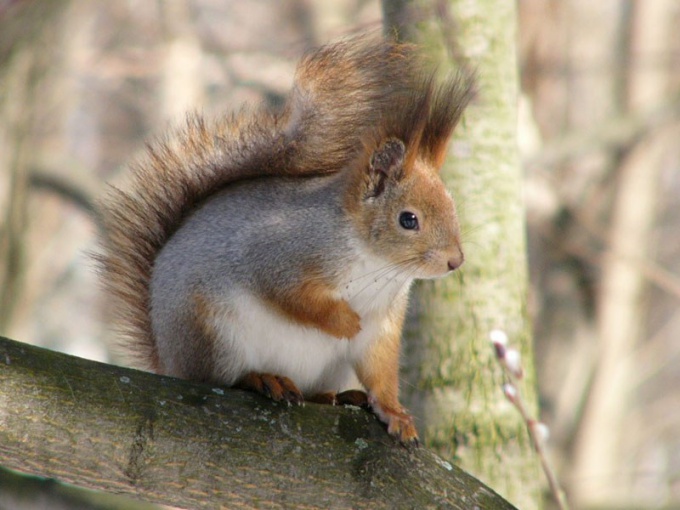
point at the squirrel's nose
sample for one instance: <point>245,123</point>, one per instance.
<point>456,261</point>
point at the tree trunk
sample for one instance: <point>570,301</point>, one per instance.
<point>177,443</point>
<point>454,384</point>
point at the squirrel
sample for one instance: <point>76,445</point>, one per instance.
<point>273,249</point>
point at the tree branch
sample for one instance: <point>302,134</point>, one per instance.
<point>173,442</point>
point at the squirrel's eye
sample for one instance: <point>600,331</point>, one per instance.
<point>408,220</point>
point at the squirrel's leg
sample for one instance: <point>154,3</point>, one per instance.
<point>378,371</point>
<point>276,387</point>
<point>312,303</point>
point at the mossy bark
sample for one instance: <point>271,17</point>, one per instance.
<point>452,381</point>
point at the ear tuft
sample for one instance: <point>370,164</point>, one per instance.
<point>450,99</point>
<point>424,117</point>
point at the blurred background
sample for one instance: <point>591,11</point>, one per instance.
<point>84,83</point>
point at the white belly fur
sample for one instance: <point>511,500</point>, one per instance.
<point>264,341</point>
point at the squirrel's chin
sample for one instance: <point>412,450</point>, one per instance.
<point>434,275</point>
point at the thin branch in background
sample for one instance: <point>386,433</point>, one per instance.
<point>510,360</point>
<point>71,191</point>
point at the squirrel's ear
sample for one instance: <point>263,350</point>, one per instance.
<point>387,162</point>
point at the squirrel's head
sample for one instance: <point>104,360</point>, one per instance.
<point>405,213</point>
<point>397,198</point>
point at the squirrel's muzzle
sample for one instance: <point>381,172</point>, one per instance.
<point>456,260</point>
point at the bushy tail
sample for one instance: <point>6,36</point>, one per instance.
<point>340,91</point>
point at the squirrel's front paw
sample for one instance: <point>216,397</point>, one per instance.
<point>399,423</point>
<point>343,321</point>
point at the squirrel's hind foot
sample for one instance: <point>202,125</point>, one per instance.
<point>276,387</point>
<point>356,398</point>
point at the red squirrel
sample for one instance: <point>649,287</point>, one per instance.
<point>274,249</point>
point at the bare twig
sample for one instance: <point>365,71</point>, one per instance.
<point>509,359</point>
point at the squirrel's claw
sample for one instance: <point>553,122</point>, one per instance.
<point>400,424</point>
<point>401,427</point>
<point>276,387</point>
